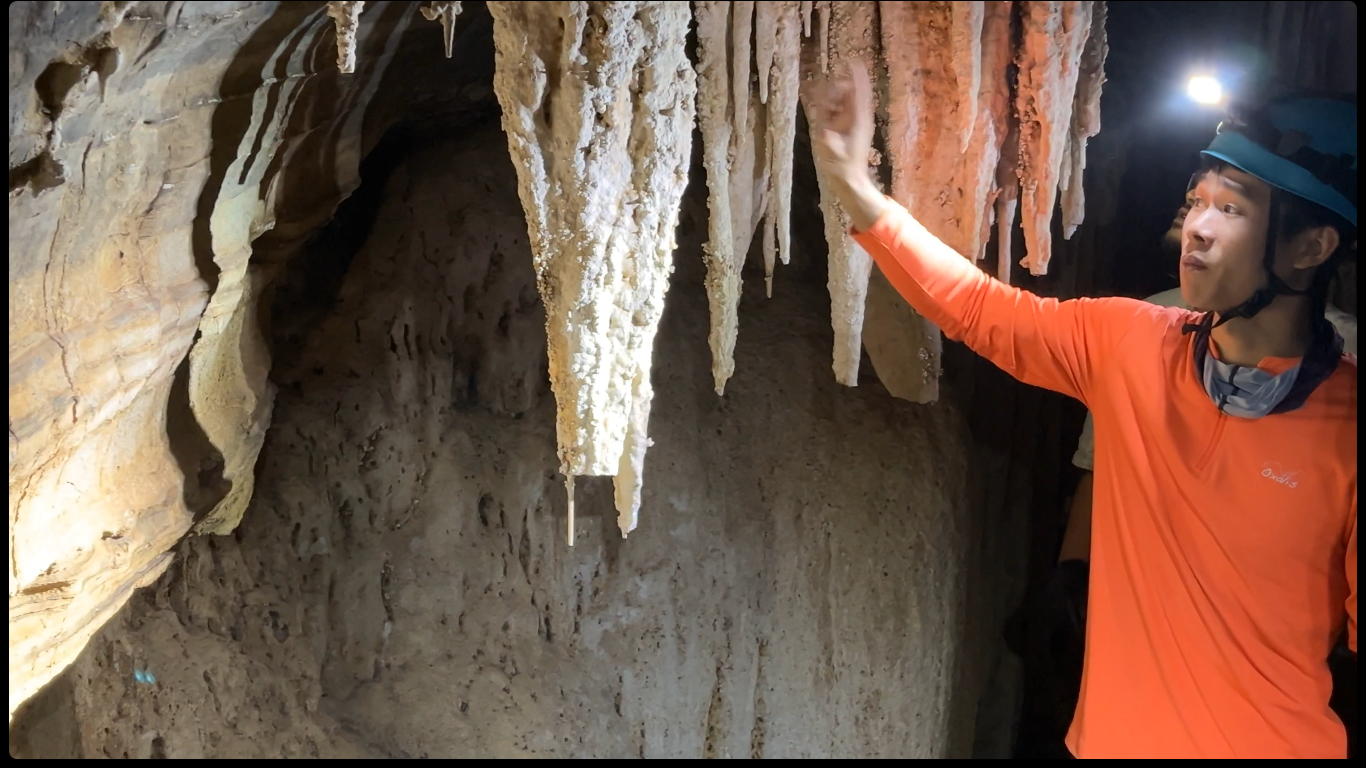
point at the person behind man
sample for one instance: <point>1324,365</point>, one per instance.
<point>1223,544</point>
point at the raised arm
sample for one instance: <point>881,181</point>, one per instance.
<point>1045,342</point>
<point>1052,344</point>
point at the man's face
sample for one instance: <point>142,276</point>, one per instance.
<point>1223,239</point>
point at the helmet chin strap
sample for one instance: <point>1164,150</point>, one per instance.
<point>1275,286</point>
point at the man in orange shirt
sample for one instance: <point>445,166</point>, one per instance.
<point>1061,619</point>
<point>1223,543</point>
<point>1076,542</point>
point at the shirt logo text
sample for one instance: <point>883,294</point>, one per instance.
<point>1276,473</point>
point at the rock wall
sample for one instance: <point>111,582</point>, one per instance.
<point>802,585</point>
<point>150,144</point>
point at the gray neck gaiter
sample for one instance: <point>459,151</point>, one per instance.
<point>1248,393</point>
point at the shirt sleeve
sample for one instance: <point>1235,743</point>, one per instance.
<point>1085,457</point>
<point>1057,345</point>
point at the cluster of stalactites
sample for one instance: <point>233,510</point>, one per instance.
<point>965,146</point>
<point>966,143</point>
<point>749,72</point>
<point>968,146</point>
<point>345,15</point>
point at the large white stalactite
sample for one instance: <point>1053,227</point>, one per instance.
<point>598,106</point>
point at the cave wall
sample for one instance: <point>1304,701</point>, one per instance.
<point>813,578</point>
<point>149,146</point>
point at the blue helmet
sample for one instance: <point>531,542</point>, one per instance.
<point>1304,146</point>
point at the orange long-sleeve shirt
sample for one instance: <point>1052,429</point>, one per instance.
<point>1223,550</point>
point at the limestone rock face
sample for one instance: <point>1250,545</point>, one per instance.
<point>402,567</point>
<point>150,144</point>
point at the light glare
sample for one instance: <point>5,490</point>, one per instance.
<point>1205,90</point>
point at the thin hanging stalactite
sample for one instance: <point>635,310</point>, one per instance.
<point>444,11</point>
<point>849,34</point>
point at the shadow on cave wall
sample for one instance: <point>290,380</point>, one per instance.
<point>308,288</point>
<point>200,461</point>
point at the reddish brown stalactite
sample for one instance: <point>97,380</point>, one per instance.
<point>1049,64</point>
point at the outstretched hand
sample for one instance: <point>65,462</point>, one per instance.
<point>842,140</point>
